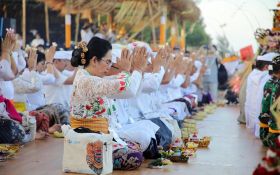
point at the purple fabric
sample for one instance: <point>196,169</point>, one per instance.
<point>128,158</point>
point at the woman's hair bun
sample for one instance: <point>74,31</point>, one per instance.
<point>76,57</point>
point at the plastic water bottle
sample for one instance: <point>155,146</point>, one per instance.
<point>32,127</point>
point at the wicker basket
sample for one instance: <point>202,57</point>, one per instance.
<point>204,143</point>
<point>184,159</point>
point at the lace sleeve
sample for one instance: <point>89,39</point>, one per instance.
<point>90,86</point>
<point>131,85</point>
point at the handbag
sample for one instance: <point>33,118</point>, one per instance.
<point>87,153</point>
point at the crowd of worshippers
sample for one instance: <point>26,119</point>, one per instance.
<point>138,95</point>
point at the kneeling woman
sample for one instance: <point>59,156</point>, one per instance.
<point>91,106</point>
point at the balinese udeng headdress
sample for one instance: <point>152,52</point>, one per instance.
<point>83,45</point>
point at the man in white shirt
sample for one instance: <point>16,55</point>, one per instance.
<point>18,58</point>
<point>54,93</point>
<point>69,71</point>
<point>29,85</point>
<point>86,33</point>
<point>37,40</point>
<point>254,91</point>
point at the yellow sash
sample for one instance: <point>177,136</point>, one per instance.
<point>263,125</point>
<point>94,124</point>
<point>274,131</point>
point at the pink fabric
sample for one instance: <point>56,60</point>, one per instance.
<point>11,109</point>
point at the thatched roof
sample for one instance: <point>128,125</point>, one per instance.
<point>128,11</point>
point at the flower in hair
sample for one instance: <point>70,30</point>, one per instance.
<point>83,45</point>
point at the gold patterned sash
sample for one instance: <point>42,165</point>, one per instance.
<point>94,124</point>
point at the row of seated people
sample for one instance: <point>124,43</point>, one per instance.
<point>137,95</point>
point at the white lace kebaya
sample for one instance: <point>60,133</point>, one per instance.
<point>92,96</point>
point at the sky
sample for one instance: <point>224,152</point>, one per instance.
<point>237,19</point>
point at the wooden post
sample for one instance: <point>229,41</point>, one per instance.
<point>183,37</point>
<point>153,24</point>
<point>77,28</point>
<point>5,11</point>
<point>109,21</point>
<point>99,20</point>
<point>47,24</point>
<point>173,36</point>
<point>24,22</point>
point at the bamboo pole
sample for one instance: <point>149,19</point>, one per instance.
<point>153,24</point>
<point>5,11</point>
<point>24,22</point>
<point>47,24</point>
<point>109,21</point>
<point>77,27</point>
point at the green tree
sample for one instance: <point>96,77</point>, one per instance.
<point>224,46</point>
<point>196,34</point>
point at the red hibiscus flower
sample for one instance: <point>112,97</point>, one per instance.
<point>122,89</point>
<point>88,107</point>
<point>100,101</point>
<point>100,112</point>
<point>122,83</point>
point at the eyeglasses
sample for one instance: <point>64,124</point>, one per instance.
<point>108,62</point>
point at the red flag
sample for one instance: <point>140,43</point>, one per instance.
<point>247,53</point>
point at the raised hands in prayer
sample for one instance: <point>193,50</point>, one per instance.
<point>32,59</point>
<point>124,63</point>
<point>169,74</point>
<point>50,54</point>
<point>190,63</point>
<point>180,65</point>
<point>170,70</point>
<point>8,44</point>
<point>139,61</point>
<point>159,60</point>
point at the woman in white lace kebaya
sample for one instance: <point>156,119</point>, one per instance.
<point>92,106</point>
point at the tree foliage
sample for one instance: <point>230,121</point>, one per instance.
<point>196,35</point>
<point>224,46</point>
